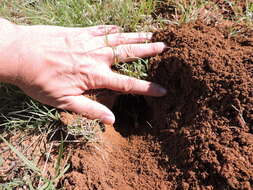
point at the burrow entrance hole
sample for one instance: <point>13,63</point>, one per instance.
<point>133,115</point>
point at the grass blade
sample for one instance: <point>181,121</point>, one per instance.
<point>27,162</point>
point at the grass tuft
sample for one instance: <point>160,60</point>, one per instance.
<point>137,69</point>
<point>19,112</point>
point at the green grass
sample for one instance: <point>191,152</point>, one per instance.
<point>127,14</point>
<point>187,11</point>
<point>20,114</point>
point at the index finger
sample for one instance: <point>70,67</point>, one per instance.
<point>126,84</point>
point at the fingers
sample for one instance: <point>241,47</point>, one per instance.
<point>113,40</point>
<point>131,85</point>
<point>130,52</point>
<point>87,107</point>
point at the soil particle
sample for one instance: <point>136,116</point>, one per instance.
<point>206,118</point>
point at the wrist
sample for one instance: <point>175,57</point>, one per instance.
<point>9,60</point>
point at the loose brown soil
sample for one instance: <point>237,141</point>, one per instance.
<point>207,116</point>
<point>202,131</point>
<point>116,163</point>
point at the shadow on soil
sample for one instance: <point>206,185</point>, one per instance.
<point>132,115</point>
<point>169,120</point>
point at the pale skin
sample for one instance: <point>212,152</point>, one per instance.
<point>56,65</point>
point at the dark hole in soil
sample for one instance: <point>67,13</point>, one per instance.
<point>132,115</point>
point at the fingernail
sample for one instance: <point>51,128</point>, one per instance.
<point>166,47</point>
<point>162,46</point>
<point>162,91</point>
<point>109,119</point>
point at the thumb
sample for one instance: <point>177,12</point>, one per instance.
<point>89,108</point>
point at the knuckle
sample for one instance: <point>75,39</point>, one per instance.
<point>121,38</point>
<point>128,85</point>
<point>89,80</point>
<point>97,80</point>
<point>75,43</point>
<point>129,51</point>
<point>64,103</point>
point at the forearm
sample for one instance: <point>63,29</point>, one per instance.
<point>8,54</point>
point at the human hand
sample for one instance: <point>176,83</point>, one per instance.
<point>57,65</point>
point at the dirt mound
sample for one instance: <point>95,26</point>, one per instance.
<point>206,120</point>
<point>201,136</point>
<point>116,163</point>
